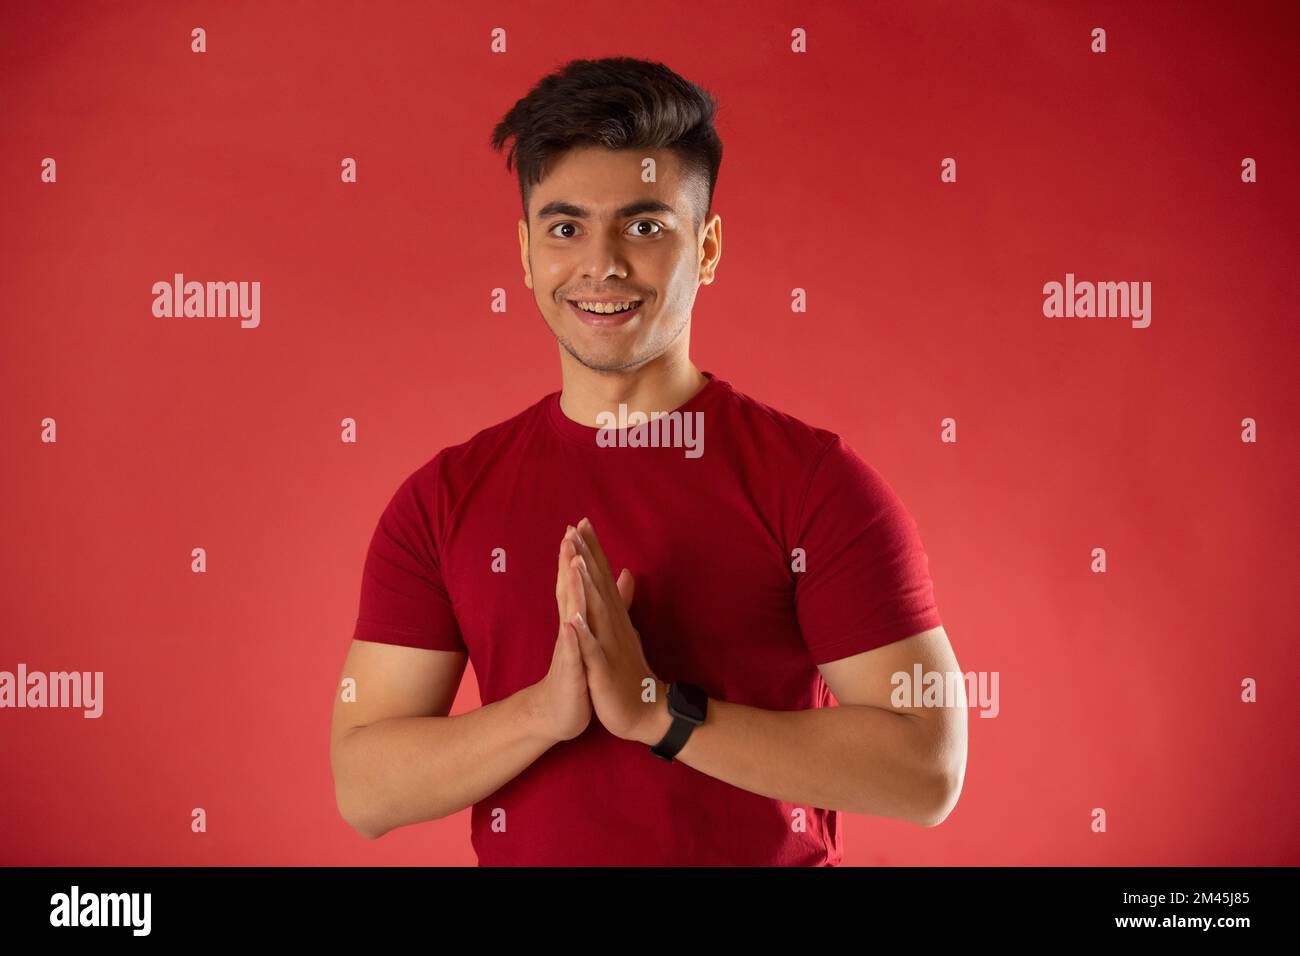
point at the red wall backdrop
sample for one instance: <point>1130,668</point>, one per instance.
<point>1119,690</point>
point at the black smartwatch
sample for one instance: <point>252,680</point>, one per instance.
<point>688,706</point>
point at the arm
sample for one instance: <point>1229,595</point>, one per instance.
<point>399,759</point>
<point>864,756</point>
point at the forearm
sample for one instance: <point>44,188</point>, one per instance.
<point>407,770</point>
<point>856,758</point>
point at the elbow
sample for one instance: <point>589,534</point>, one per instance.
<point>359,823</point>
<point>355,813</point>
<point>370,834</point>
<point>356,810</point>
<point>362,828</point>
<point>944,793</point>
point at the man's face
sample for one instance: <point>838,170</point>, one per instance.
<point>600,234</point>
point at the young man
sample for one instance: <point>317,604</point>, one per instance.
<point>683,719</point>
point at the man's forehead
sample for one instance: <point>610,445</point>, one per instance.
<point>569,181</point>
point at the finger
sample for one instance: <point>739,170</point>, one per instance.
<point>603,581</point>
<point>572,647</point>
<point>563,587</point>
<point>577,593</point>
<point>593,543</point>
<point>593,655</point>
<point>625,587</point>
<point>596,607</point>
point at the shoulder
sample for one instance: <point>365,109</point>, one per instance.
<point>455,466</point>
<point>829,469</point>
<point>780,433</point>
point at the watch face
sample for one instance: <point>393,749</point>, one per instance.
<point>687,701</point>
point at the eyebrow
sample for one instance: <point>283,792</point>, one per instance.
<point>558,207</point>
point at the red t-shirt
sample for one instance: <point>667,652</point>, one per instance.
<point>709,531</point>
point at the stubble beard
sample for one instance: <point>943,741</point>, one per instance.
<point>619,366</point>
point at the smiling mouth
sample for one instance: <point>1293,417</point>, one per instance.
<point>606,319</point>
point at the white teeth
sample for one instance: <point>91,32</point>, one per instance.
<point>606,308</point>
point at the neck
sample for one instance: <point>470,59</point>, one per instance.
<point>660,385</point>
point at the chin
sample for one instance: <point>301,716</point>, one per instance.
<point>609,363</point>
<point>605,360</point>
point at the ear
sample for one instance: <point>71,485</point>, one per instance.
<point>710,249</point>
<point>523,252</point>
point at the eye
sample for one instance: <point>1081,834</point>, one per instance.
<point>658,228</point>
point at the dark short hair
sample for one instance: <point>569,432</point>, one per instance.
<point>617,103</point>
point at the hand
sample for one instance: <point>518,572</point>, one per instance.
<point>611,647</point>
<point>563,701</point>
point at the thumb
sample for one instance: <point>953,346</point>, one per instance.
<point>593,655</point>
<point>625,587</point>
<point>567,650</point>
<point>572,646</point>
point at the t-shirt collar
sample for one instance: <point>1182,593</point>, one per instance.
<point>586,434</point>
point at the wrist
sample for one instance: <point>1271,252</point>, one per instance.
<point>536,720</point>
<point>660,721</point>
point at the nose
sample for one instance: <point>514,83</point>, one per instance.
<point>603,259</point>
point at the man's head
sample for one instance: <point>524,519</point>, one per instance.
<point>594,229</point>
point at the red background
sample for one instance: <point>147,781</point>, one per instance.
<point>1118,690</point>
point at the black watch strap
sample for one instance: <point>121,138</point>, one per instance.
<point>688,706</point>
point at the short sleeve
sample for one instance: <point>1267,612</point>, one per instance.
<point>866,582</point>
<point>403,599</point>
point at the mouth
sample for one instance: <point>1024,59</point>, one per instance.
<point>605,319</point>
